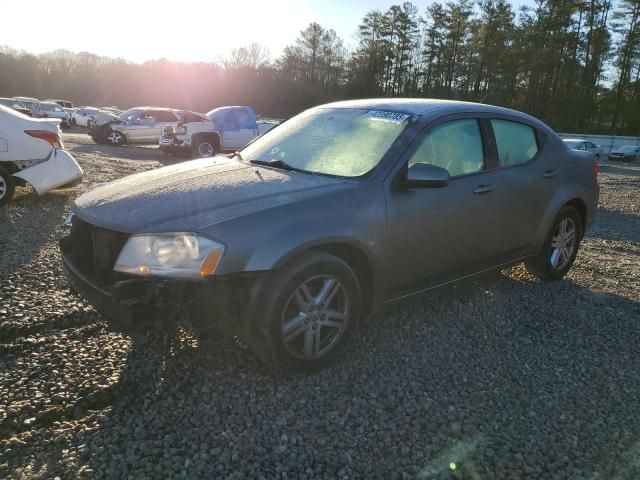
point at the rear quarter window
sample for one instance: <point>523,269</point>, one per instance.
<point>516,142</point>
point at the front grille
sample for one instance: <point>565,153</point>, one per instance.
<point>94,250</point>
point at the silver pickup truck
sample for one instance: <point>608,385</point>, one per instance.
<point>222,129</point>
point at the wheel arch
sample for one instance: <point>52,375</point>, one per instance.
<point>353,255</point>
<point>581,207</point>
<point>212,136</point>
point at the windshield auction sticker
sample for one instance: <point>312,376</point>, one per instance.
<point>394,117</point>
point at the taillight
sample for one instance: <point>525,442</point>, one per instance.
<point>47,136</point>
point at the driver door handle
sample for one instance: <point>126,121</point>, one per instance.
<point>550,174</point>
<point>482,189</point>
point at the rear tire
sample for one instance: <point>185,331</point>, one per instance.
<point>7,186</point>
<point>560,247</point>
<point>308,315</point>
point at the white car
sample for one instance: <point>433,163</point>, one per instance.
<point>82,116</point>
<point>65,104</point>
<point>626,153</point>
<point>31,151</point>
<point>51,110</point>
<point>28,102</point>
<point>222,129</point>
<point>101,117</point>
<point>583,145</point>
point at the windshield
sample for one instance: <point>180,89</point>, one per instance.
<point>342,142</point>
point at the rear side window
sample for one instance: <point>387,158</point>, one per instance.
<point>516,142</point>
<point>455,146</point>
<point>165,116</point>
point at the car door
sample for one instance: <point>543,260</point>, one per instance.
<point>231,135</point>
<point>526,181</point>
<point>137,127</point>
<point>439,233</point>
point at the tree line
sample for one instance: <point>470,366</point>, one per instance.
<point>573,63</point>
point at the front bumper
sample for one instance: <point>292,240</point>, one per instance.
<point>137,305</point>
<point>173,145</point>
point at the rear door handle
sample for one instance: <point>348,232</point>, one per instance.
<point>482,189</point>
<point>550,174</point>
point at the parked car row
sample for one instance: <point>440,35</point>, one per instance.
<point>181,131</point>
<point>626,153</point>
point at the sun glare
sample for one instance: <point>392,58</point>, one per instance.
<point>185,30</point>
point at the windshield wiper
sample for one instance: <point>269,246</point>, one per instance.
<point>277,164</point>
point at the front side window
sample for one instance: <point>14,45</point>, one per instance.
<point>455,146</point>
<point>516,142</point>
<point>341,142</point>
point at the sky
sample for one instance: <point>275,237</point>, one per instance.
<point>181,30</point>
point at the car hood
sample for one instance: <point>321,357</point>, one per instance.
<point>193,195</point>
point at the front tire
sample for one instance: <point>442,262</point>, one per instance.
<point>204,148</point>
<point>116,138</point>
<point>311,312</point>
<point>560,247</point>
<point>7,186</point>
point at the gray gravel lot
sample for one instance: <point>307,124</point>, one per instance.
<point>502,375</point>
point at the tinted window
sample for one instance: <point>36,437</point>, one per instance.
<point>516,142</point>
<point>455,146</point>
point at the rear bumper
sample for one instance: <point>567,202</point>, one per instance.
<point>138,305</point>
<point>59,170</point>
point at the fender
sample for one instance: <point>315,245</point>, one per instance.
<point>565,195</point>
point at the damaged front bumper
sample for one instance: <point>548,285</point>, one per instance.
<point>218,306</point>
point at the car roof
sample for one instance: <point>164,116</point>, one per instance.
<point>429,106</point>
<point>415,106</point>
<point>154,108</point>
<point>574,140</point>
<point>50,103</point>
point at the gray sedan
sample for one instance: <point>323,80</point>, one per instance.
<point>289,243</point>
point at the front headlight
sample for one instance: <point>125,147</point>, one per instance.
<point>176,255</point>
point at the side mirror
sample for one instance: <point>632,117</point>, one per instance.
<point>424,175</point>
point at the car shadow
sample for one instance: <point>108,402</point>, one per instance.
<point>621,169</point>
<point>614,225</point>
<point>484,377</point>
<point>129,152</point>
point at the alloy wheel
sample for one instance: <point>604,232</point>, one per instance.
<point>114,137</point>
<point>563,243</point>
<point>3,187</point>
<point>315,317</point>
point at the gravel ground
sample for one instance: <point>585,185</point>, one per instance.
<point>503,376</point>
